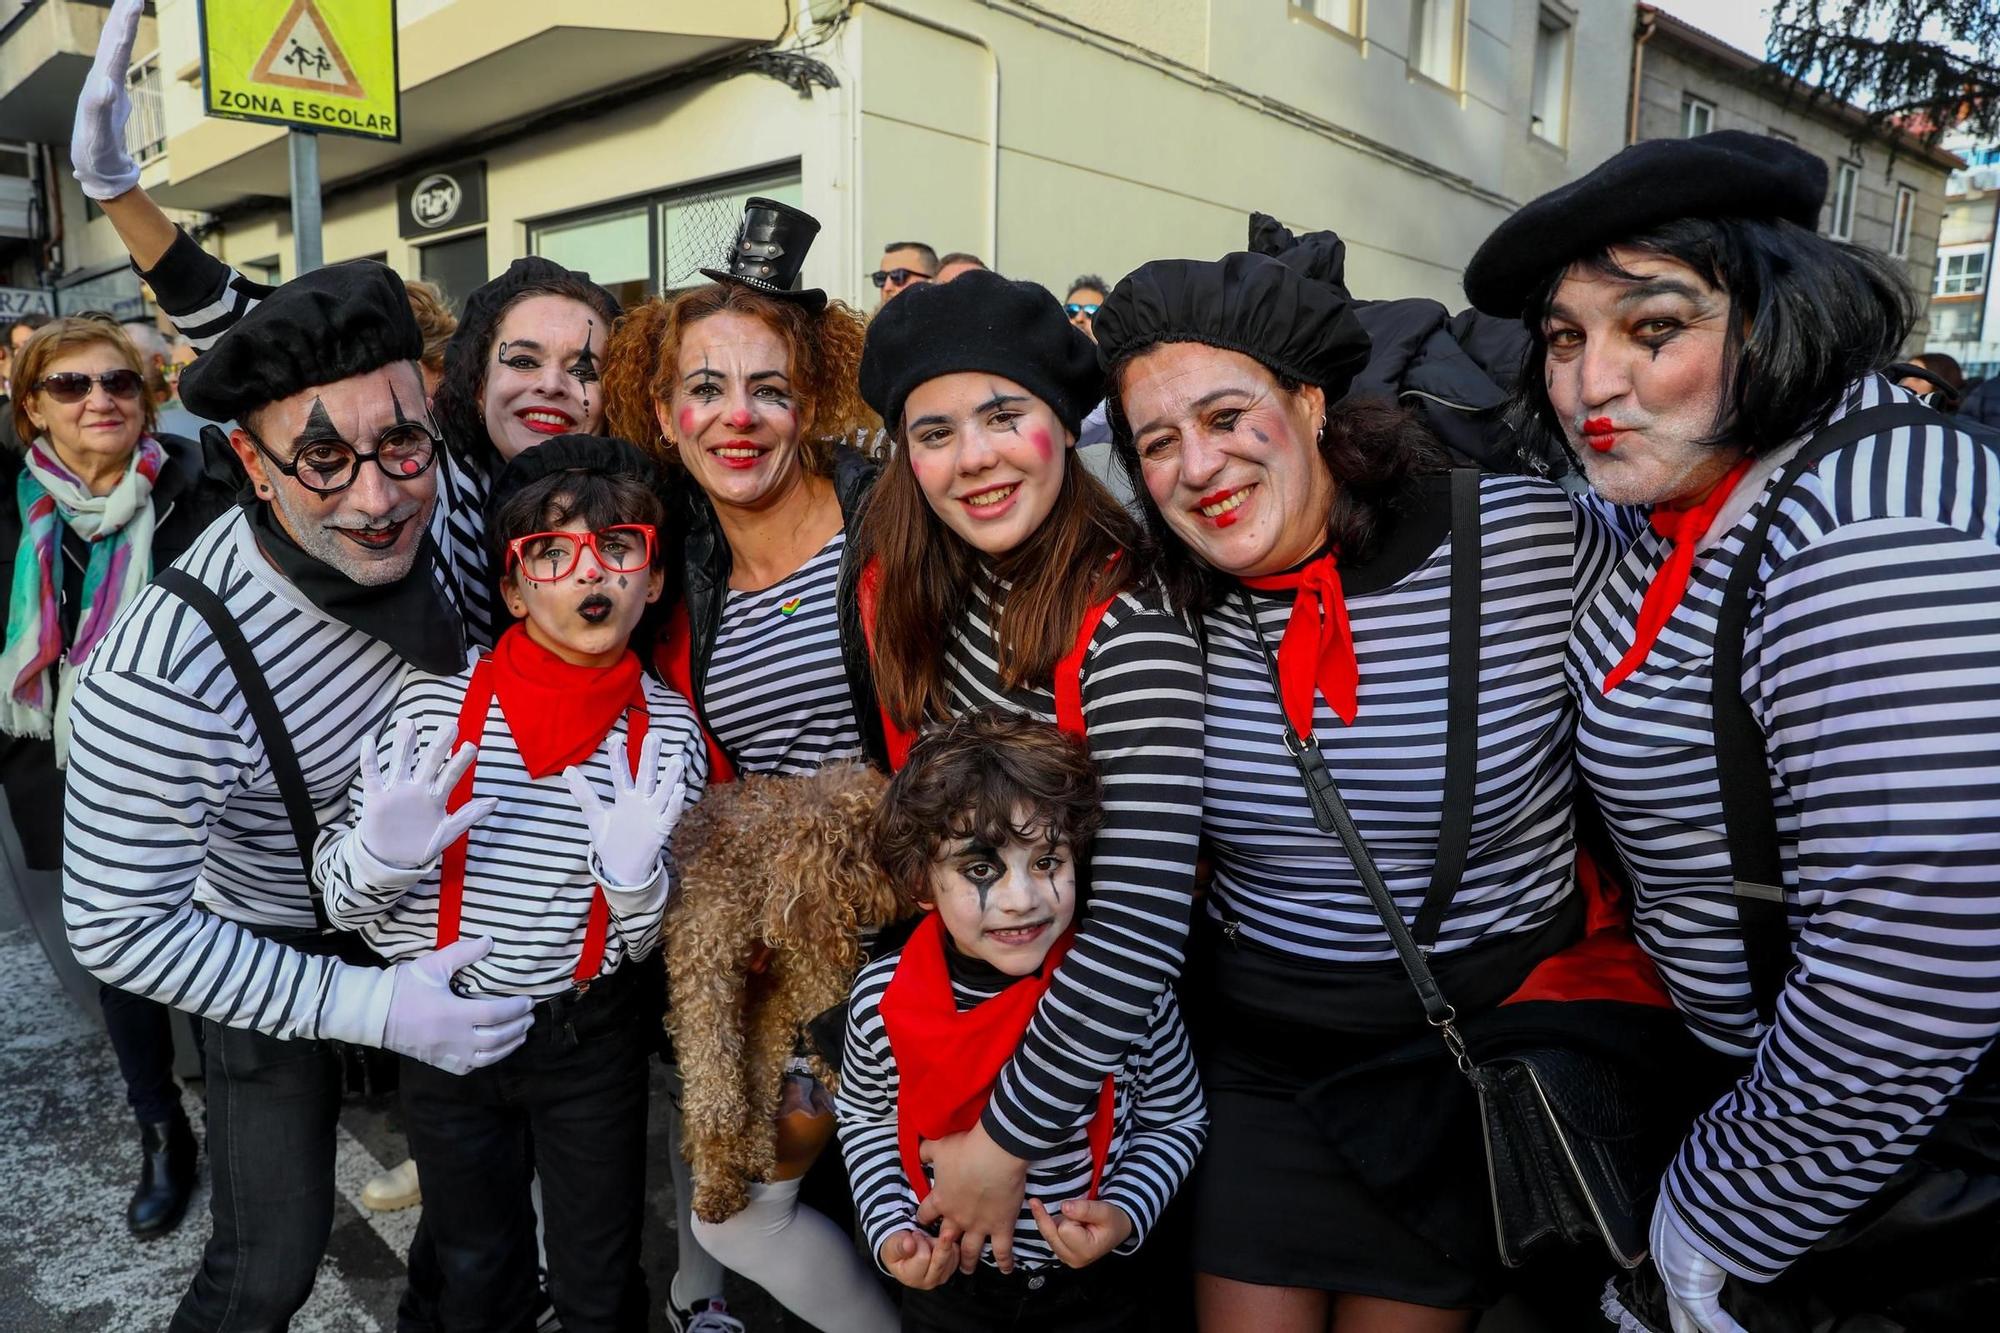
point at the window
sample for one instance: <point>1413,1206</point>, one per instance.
<point>644,247</point>
<point>1548,110</point>
<point>17,159</point>
<point>1434,39</point>
<point>457,266</point>
<point>1697,116</point>
<point>1847,182</point>
<point>1906,211</point>
<point>1344,15</point>
<point>1962,274</point>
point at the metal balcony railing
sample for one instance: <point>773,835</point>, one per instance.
<point>146,131</point>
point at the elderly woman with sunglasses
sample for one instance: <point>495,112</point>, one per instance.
<point>98,503</point>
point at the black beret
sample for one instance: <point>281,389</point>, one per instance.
<point>321,327</point>
<point>1727,174</point>
<point>980,321</point>
<point>596,454</point>
<point>1288,312</point>
<point>489,299</point>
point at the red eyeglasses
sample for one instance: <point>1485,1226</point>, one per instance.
<point>548,557</point>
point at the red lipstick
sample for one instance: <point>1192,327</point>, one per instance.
<point>1600,434</point>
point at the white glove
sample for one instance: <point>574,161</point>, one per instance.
<point>429,1021</point>
<point>404,824</point>
<point>628,836</point>
<point>97,143</point>
<point>1693,1280</point>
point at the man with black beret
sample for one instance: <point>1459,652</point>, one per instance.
<point>1790,707</point>
<point>216,729</point>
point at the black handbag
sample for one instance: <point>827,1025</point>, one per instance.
<point>1567,1151</point>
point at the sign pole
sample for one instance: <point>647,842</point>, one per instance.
<point>307,252</point>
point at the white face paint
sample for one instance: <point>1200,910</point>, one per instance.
<point>541,376</point>
<point>1005,905</point>
<point>1635,371</point>
<point>586,617</point>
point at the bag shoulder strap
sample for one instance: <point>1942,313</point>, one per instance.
<point>1330,812</point>
<point>270,724</point>
<point>1743,769</point>
<point>1461,727</point>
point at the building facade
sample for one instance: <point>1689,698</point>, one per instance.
<point>1965,323</point>
<point>1050,139</point>
<point>1884,192</point>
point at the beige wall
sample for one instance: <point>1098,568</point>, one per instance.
<point>1111,156</point>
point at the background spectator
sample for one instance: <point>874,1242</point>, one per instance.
<point>1085,295</point>
<point>904,264</point>
<point>957,262</point>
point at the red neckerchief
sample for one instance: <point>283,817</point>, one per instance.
<point>489,679</point>
<point>948,1058</point>
<point>1684,526</point>
<point>558,712</point>
<point>673,659</point>
<point>1317,652</point>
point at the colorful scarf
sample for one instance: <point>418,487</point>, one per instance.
<point>39,672</point>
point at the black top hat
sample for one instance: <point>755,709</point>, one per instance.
<point>769,251</point>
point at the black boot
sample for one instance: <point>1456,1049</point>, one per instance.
<point>166,1177</point>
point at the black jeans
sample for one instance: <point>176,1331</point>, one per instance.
<point>1102,1298</point>
<point>569,1106</point>
<point>272,1109</point>
<point>142,1038</point>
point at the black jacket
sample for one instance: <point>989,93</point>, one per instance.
<point>1456,372</point>
<point>707,566</point>
<point>186,499</point>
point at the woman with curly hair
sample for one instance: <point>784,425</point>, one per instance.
<point>1001,574</point>
<point>744,389</point>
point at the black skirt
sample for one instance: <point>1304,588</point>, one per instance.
<point>1343,1148</point>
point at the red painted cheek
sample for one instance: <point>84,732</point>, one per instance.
<point>687,420</point>
<point>1043,446</point>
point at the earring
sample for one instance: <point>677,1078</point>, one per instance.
<point>263,491</point>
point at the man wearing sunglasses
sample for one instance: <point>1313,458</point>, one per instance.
<point>215,729</point>
<point>1085,295</point>
<point>905,264</point>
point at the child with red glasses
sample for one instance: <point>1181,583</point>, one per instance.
<point>528,800</point>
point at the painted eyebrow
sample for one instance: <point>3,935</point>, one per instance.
<point>319,427</point>
<point>754,376</point>
<point>528,343</point>
<point>1000,400</point>
<point>1205,400</point>
<point>1657,287</point>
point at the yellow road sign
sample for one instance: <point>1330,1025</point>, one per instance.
<point>327,65</point>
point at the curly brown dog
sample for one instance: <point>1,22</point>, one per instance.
<point>777,883</point>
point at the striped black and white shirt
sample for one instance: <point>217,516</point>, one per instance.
<point>1872,664</point>
<point>205,297</point>
<point>175,835</point>
<point>776,691</point>
<point>1291,887</point>
<point>529,869</point>
<point>1142,699</point>
<point>1159,1120</point>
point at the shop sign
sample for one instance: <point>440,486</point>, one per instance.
<point>441,199</point>
<point>18,301</point>
<point>326,65</point>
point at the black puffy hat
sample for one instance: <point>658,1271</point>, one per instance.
<point>1286,309</point>
<point>596,454</point>
<point>770,250</point>
<point>980,321</point>
<point>321,327</point>
<point>1727,174</point>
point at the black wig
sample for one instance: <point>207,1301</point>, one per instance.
<point>1808,317</point>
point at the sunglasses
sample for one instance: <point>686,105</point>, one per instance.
<point>903,277</point>
<point>327,467</point>
<point>73,386</point>
<point>1075,309</point>
<point>550,557</point>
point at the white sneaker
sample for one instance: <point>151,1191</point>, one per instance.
<point>393,1190</point>
<point>713,1318</point>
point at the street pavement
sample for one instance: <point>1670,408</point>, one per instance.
<point>69,1158</point>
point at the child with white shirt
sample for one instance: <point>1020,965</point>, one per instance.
<point>990,824</point>
<point>535,812</point>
